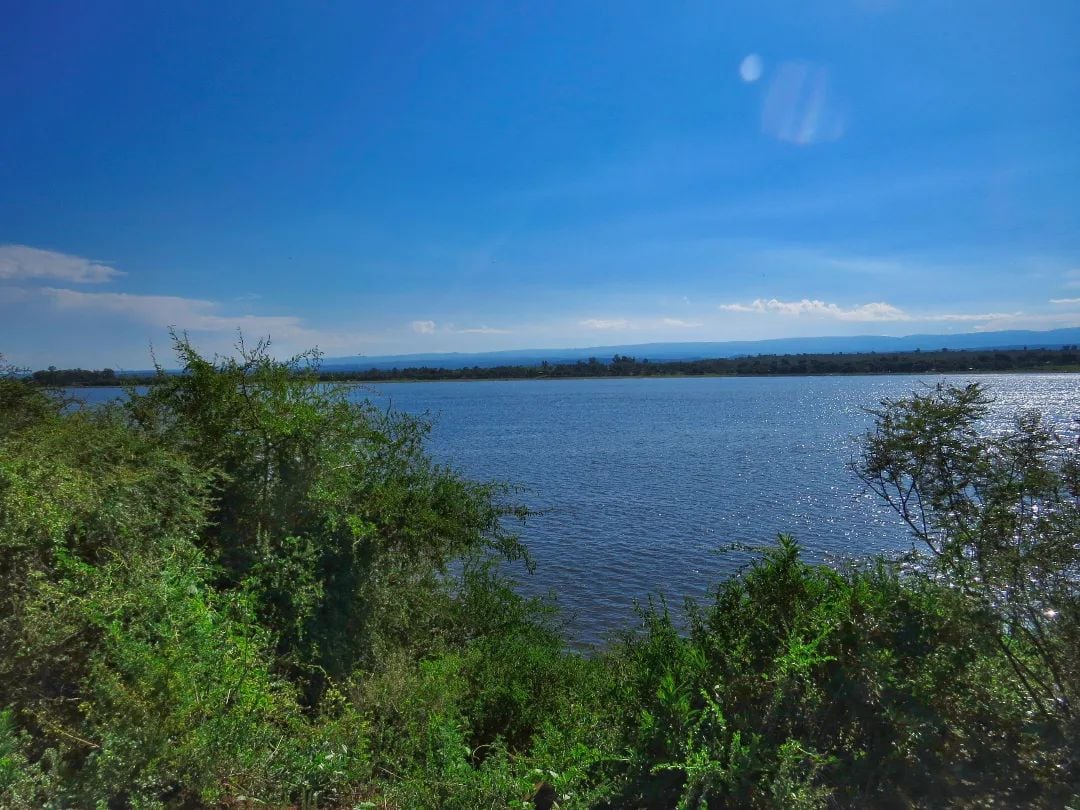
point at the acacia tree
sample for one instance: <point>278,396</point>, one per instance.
<point>999,513</point>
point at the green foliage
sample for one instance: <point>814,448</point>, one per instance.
<point>241,588</point>
<point>21,404</point>
<point>325,510</point>
<point>194,567</point>
<point>810,684</point>
<point>1000,516</point>
<point>82,502</point>
<point>21,781</point>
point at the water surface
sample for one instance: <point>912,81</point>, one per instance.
<point>639,482</point>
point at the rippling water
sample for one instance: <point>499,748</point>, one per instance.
<point>641,481</point>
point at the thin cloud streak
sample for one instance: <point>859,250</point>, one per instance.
<point>877,311</point>
<point>478,330</point>
<point>603,323</point>
<point>169,310</point>
<point>431,328</point>
<point>203,317</point>
<point>25,262</point>
<point>679,323</point>
<point>620,324</point>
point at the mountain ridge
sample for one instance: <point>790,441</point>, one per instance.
<point>697,350</point>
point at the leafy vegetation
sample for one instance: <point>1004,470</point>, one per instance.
<point>240,588</point>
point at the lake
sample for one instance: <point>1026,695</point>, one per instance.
<point>641,482</point>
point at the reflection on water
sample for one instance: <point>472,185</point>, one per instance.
<point>640,482</point>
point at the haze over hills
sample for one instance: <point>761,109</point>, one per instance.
<point>1013,339</point>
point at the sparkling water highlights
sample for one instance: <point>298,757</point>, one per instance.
<point>641,482</point>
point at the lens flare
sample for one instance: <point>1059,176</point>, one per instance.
<point>750,68</point>
<point>801,106</point>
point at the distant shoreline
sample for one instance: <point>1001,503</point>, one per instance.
<point>1063,371</point>
<point>1065,360</point>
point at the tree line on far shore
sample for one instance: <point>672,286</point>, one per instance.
<point>944,361</point>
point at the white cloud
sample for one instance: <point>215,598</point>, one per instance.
<point>24,262</point>
<point>478,330</point>
<point>431,327</point>
<point>877,311</point>
<point>602,323</point>
<point>216,329</point>
<point>680,323</point>
<point>169,310</point>
<point>1065,301</point>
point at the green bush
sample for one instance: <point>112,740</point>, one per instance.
<point>325,509</point>
<point>195,570</point>
<point>799,685</point>
<point>241,588</point>
<point>998,514</point>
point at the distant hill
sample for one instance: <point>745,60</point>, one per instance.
<point>1014,339</point>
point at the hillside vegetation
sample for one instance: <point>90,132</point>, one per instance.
<point>241,589</point>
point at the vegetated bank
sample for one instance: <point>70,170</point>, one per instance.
<point>240,589</point>
<point>1067,358</point>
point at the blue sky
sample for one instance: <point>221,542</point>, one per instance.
<point>377,178</point>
